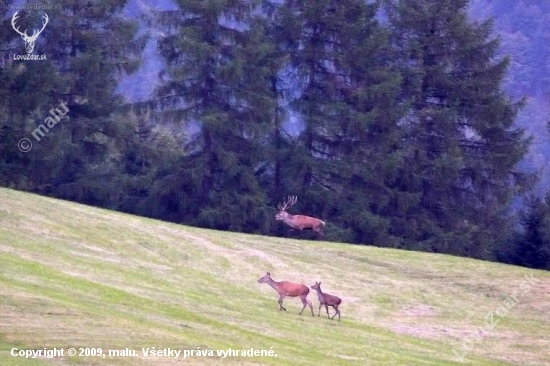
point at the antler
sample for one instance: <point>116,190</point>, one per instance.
<point>15,16</point>
<point>291,200</point>
<point>34,33</point>
<point>46,18</point>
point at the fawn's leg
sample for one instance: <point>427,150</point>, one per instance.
<point>306,303</point>
<point>337,312</point>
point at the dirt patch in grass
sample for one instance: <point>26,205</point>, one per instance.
<point>419,310</point>
<point>421,331</point>
<point>232,254</point>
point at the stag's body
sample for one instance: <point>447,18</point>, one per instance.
<point>299,222</point>
<point>285,288</point>
<point>327,300</point>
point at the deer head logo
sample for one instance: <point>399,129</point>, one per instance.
<point>29,41</point>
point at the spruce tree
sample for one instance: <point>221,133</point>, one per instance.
<point>217,83</point>
<point>533,247</point>
<point>88,47</point>
<point>345,160</point>
<point>461,145</point>
<point>366,137</point>
<point>529,245</point>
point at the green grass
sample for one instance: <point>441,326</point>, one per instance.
<point>77,276</point>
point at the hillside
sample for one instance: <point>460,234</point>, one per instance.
<point>77,276</point>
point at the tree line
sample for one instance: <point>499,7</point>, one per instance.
<point>402,135</point>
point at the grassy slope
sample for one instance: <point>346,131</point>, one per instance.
<point>76,276</point>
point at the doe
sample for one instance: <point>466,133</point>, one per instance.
<point>285,288</point>
<point>327,300</point>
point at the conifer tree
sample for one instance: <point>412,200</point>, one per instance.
<point>217,81</point>
<point>533,247</point>
<point>89,46</point>
<point>461,145</point>
<point>367,137</point>
<point>345,160</point>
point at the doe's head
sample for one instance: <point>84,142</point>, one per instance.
<point>265,278</point>
<point>317,286</point>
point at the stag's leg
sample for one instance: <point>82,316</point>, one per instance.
<point>319,312</point>
<point>311,307</point>
<point>281,308</point>
<point>328,314</point>
<point>319,232</point>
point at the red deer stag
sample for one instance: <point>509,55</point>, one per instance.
<point>327,300</point>
<point>299,222</point>
<point>285,288</point>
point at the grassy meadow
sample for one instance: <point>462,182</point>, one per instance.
<point>77,276</point>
